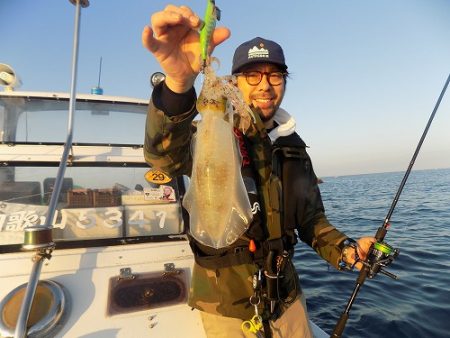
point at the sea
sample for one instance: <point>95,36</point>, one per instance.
<point>417,304</point>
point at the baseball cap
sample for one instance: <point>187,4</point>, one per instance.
<point>258,50</point>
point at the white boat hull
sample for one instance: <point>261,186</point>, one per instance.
<point>85,273</point>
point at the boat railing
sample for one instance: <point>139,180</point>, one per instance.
<point>40,238</point>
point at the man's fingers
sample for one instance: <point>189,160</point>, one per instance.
<point>173,16</point>
<point>220,35</point>
<point>148,40</point>
<point>162,20</point>
<point>358,266</point>
<point>187,12</point>
<point>363,246</point>
<point>188,15</point>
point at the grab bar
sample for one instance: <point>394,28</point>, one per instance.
<point>39,238</point>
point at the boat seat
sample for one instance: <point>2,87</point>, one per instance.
<point>48,184</point>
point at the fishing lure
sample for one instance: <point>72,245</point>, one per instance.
<point>212,15</point>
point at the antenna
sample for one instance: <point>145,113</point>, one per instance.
<point>100,72</point>
<point>98,90</point>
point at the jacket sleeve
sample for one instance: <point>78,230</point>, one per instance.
<point>312,225</point>
<point>168,137</point>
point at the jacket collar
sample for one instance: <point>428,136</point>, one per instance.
<point>285,125</point>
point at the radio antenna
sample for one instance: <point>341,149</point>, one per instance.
<point>99,72</point>
<point>98,90</point>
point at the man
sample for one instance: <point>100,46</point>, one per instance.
<point>255,275</point>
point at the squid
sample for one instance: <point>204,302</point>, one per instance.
<point>216,200</point>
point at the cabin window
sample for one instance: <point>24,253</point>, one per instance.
<point>94,203</point>
<point>29,121</point>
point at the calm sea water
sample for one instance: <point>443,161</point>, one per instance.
<point>418,303</point>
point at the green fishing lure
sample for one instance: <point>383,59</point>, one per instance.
<point>212,15</point>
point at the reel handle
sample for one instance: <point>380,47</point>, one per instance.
<point>389,274</point>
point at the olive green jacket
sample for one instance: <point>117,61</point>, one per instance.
<point>226,291</point>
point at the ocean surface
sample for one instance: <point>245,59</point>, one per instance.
<point>418,303</point>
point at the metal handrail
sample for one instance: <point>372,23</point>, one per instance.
<point>39,238</point>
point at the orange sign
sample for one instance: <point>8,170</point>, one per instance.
<point>156,176</point>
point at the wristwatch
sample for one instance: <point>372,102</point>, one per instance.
<point>346,245</point>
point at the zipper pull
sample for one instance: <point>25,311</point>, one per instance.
<point>252,246</point>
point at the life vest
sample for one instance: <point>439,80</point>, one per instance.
<point>262,179</point>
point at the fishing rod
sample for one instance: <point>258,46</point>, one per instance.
<point>381,254</point>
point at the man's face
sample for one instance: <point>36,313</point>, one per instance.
<point>266,98</point>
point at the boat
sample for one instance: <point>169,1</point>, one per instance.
<point>121,264</point>
<point>115,260</point>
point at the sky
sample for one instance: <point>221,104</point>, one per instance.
<point>365,75</point>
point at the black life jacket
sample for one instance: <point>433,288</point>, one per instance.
<point>266,235</point>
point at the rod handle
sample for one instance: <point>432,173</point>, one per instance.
<point>340,326</point>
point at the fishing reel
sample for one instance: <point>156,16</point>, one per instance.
<point>380,256</point>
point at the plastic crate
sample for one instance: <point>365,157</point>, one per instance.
<point>106,197</point>
<point>80,198</point>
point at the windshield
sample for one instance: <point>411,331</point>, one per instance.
<point>94,203</point>
<point>30,120</point>
<point>106,193</point>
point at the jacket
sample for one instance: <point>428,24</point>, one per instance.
<point>226,290</point>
